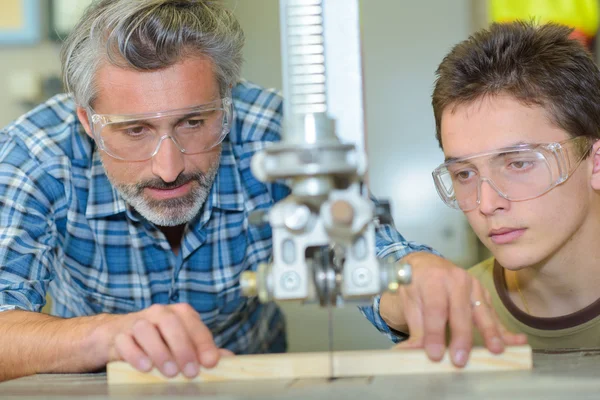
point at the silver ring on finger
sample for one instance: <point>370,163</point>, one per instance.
<point>476,303</point>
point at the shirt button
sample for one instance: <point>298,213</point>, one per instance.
<point>175,296</point>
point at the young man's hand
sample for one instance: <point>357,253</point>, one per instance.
<point>443,295</point>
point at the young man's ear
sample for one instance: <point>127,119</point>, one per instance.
<point>595,181</point>
<point>83,118</point>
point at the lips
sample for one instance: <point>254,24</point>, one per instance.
<point>505,235</point>
<point>170,193</point>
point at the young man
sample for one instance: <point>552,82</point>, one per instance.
<point>140,244</point>
<point>517,110</point>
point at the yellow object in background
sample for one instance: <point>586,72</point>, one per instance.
<point>11,15</point>
<point>579,14</point>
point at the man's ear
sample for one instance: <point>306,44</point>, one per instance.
<point>83,118</point>
<point>595,180</point>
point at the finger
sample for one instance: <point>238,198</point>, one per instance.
<point>508,338</point>
<point>486,320</point>
<point>226,353</point>
<point>413,317</point>
<point>412,307</point>
<point>151,342</point>
<point>409,344</point>
<point>514,339</point>
<point>178,339</point>
<point>460,320</point>
<point>130,352</point>
<point>206,350</point>
<point>434,297</point>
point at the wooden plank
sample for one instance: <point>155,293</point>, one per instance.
<point>316,365</point>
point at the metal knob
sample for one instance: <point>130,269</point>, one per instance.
<point>396,274</point>
<point>256,283</point>
<point>342,212</point>
<point>248,284</point>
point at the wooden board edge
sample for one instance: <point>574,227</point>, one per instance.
<point>316,365</point>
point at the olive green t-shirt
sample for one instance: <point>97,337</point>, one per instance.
<point>580,329</point>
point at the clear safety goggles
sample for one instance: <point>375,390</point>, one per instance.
<point>137,137</point>
<point>517,173</point>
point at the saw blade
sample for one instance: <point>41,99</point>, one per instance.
<point>330,329</point>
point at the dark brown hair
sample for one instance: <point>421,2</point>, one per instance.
<point>536,64</point>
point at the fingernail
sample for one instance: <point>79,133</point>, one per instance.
<point>190,370</point>
<point>144,364</point>
<point>460,357</point>
<point>170,369</point>
<point>209,358</point>
<point>497,342</point>
<point>435,350</point>
<point>523,337</point>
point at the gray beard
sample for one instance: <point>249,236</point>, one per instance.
<point>169,212</point>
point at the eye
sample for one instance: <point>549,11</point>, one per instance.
<point>193,123</point>
<point>135,131</point>
<point>520,165</point>
<point>464,175</point>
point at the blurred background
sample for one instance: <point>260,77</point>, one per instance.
<point>403,41</point>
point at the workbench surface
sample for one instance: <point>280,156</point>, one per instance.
<point>570,375</point>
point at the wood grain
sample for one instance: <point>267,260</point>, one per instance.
<point>317,365</point>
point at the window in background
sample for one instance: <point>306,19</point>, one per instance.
<point>64,14</point>
<point>19,22</point>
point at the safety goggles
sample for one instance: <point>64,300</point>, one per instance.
<point>137,137</point>
<point>517,173</point>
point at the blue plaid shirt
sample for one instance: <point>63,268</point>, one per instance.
<point>64,229</point>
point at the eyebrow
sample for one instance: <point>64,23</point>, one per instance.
<point>512,146</point>
<point>120,125</point>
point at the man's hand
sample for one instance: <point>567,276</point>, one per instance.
<point>172,338</point>
<point>442,294</point>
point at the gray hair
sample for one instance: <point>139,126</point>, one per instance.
<point>148,35</point>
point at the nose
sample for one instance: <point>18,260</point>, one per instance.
<point>168,162</point>
<point>490,198</point>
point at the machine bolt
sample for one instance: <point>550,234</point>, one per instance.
<point>361,276</point>
<point>342,213</point>
<point>290,280</point>
<point>298,218</point>
<point>257,283</point>
<point>248,284</point>
<point>397,274</point>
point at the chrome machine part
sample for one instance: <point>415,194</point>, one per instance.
<point>322,158</point>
